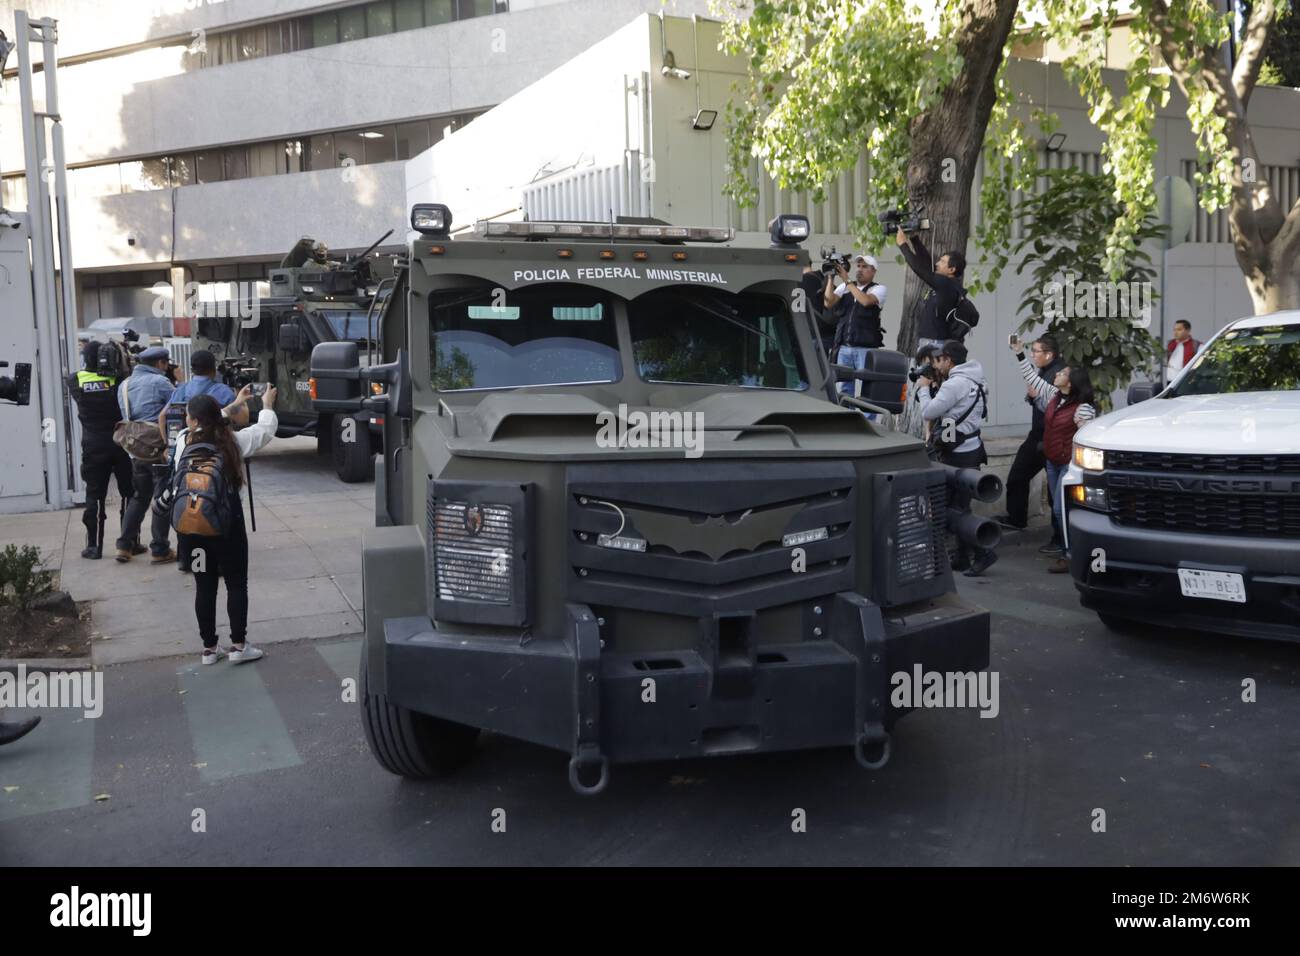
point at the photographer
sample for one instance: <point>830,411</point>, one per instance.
<point>954,412</point>
<point>945,285</point>
<point>94,388</point>
<point>859,328</point>
<point>1045,356</point>
<point>225,556</point>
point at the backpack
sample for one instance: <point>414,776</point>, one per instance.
<point>200,492</point>
<point>962,318</point>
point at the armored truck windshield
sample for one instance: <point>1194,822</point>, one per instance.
<point>566,334</point>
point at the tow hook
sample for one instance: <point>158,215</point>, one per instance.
<point>873,747</point>
<point>587,757</point>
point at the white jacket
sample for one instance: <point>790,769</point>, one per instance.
<point>250,439</point>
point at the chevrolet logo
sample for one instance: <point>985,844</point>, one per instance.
<point>715,535</point>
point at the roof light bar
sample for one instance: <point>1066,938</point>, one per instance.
<point>484,229</point>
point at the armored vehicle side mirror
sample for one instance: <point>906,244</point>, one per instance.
<point>336,377</point>
<point>291,338</point>
<point>884,379</point>
<point>1141,391</point>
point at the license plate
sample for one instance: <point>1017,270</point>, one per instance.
<point>1215,585</point>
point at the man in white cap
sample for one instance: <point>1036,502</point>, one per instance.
<point>859,330</point>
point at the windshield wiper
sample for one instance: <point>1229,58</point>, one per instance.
<point>717,312</point>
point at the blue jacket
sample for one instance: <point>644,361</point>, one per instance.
<point>201,385</point>
<point>148,390</point>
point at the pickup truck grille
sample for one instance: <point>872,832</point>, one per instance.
<point>1214,464</point>
<point>1259,515</point>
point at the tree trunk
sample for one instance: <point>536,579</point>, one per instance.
<point>953,130</point>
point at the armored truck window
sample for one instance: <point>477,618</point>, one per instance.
<point>554,334</point>
<point>1247,360</point>
<point>351,325</point>
<point>700,336</point>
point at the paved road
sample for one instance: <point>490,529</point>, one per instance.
<point>1151,728</point>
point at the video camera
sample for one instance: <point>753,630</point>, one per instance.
<point>19,388</point>
<point>831,259</point>
<point>892,220</point>
<point>237,373</point>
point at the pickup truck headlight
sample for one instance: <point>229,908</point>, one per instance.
<point>1089,497</point>
<point>1089,459</point>
<point>477,551</point>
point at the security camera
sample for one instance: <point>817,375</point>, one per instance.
<point>130,240</point>
<point>8,222</point>
<point>670,67</point>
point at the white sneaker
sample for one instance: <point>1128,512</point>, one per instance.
<point>211,657</point>
<point>249,653</point>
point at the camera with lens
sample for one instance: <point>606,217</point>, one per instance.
<point>892,220</point>
<point>19,388</point>
<point>922,371</point>
<point>831,259</point>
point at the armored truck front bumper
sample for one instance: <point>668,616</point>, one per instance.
<point>711,699</point>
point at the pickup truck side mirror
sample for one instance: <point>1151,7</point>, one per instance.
<point>291,338</point>
<point>1141,391</point>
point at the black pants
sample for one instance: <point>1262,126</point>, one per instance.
<point>159,525</point>
<point>959,501</point>
<point>212,560</point>
<point>1029,462</point>
<point>101,462</point>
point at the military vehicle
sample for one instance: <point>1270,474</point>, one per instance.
<point>312,300</point>
<point>623,512</point>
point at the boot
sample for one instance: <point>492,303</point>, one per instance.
<point>9,732</point>
<point>94,522</point>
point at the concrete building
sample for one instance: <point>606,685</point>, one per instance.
<point>613,131</point>
<point>205,137</point>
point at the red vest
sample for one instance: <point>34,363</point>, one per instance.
<point>1058,430</point>
<point>1189,349</point>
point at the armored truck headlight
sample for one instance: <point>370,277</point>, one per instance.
<point>789,230</point>
<point>477,544</point>
<point>431,219</point>
<point>1089,459</point>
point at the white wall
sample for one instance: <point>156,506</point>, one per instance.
<point>22,467</point>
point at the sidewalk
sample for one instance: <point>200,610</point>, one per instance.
<point>304,564</point>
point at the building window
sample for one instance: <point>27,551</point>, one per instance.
<point>409,14</point>
<point>379,19</point>
<point>251,43</point>
<point>350,148</point>
<point>352,24</point>
<point>208,166</point>
<point>320,152</point>
<point>475,8</point>
<point>412,139</point>
<point>324,29</point>
<point>438,11</point>
<point>181,168</point>
<point>380,144</point>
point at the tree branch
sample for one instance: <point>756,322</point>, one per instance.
<point>1263,15</point>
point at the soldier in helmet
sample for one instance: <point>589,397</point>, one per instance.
<point>94,388</point>
<point>320,256</point>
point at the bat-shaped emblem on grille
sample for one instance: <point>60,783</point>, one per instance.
<point>715,535</point>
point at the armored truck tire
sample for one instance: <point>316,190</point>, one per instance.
<point>411,744</point>
<point>353,460</point>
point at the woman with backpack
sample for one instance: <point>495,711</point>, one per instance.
<point>1067,404</point>
<point>208,513</point>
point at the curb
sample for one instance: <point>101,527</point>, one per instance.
<point>42,664</point>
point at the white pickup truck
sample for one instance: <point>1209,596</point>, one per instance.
<point>1183,510</point>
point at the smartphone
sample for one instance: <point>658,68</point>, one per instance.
<point>259,389</point>
<point>1012,339</point>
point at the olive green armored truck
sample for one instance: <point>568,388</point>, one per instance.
<point>623,511</point>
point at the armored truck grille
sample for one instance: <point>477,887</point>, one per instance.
<point>472,551</point>
<point>920,551</point>
<point>700,538</point>
<point>1214,464</point>
<point>1261,515</point>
